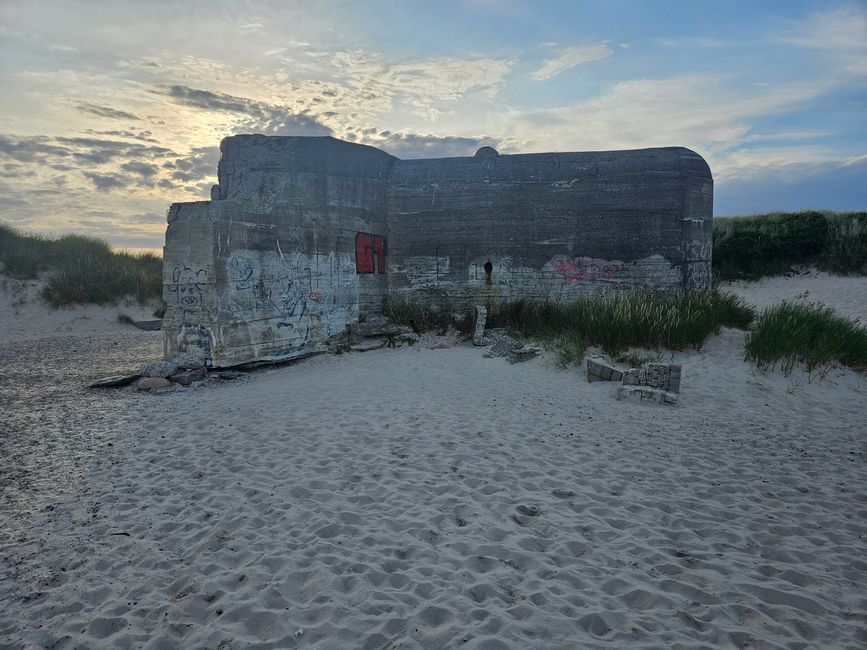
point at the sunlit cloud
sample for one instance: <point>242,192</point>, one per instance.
<point>569,57</point>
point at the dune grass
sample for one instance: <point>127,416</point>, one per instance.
<point>620,321</point>
<point>81,269</point>
<point>792,333</point>
<point>422,317</point>
<point>769,244</point>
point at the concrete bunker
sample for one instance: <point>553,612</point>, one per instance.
<point>305,235</point>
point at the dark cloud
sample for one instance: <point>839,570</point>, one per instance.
<point>415,145</point>
<point>144,136</point>
<point>58,151</point>
<point>104,111</point>
<point>199,165</point>
<point>36,148</point>
<point>106,182</point>
<point>258,117</point>
<point>143,169</point>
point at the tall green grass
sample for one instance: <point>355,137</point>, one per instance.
<point>422,317</point>
<point>769,244</point>
<point>623,320</point>
<point>81,269</point>
<point>793,333</point>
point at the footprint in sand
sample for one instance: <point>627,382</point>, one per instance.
<point>526,515</point>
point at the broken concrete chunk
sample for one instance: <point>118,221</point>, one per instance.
<point>114,382</point>
<point>479,329</point>
<point>153,383</point>
<point>149,325</point>
<point>187,377</point>
<point>599,371</point>
<point>368,345</point>
<point>646,394</point>
<point>522,354</point>
<point>664,376</point>
<point>158,369</point>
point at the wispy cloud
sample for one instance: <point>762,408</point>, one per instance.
<point>104,111</point>
<point>842,29</point>
<point>569,57</point>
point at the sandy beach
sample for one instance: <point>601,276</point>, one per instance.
<point>429,497</point>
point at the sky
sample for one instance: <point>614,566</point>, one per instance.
<point>110,111</point>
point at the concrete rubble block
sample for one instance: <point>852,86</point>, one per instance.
<point>149,325</point>
<point>522,354</point>
<point>479,328</point>
<point>646,394</point>
<point>158,369</point>
<point>368,345</point>
<point>116,381</point>
<point>600,371</point>
<point>375,327</point>
<point>153,383</point>
<point>664,376</point>
<point>187,377</point>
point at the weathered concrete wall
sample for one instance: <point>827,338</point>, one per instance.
<point>303,235</point>
<point>269,268</point>
<point>549,225</point>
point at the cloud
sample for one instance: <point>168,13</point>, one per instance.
<point>706,112</point>
<point>200,165</point>
<point>106,182</point>
<point>143,169</point>
<point>259,117</point>
<point>424,85</point>
<point>104,111</point>
<point>793,186</point>
<point>569,57</point>
<point>415,145</point>
<point>843,29</point>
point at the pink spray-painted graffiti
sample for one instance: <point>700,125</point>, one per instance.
<point>584,269</point>
<point>369,253</point>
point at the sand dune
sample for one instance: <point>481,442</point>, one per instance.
<point>432,498</point>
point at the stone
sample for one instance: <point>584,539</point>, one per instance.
<point>230,374</point>
<point>646,394</point>
<point>114,382</point>
<point>479,327</point>
<point>410,338</point>
<point>600,371</point>
<point>158,369</point>
<point>153,383</point>
<point>368,345</point>
<point>187,377</point>
<point>522,354</point>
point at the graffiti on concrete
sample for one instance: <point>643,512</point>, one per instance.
<point>195,339</point>
<point>272,287</point>
<point>585,269</point>
<point>186,289</point>
<point>369,253</point>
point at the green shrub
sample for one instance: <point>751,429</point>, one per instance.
<point>82,269</point>
<point>812,334</point>
<point>623,320</point>
<point>769,244</point>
